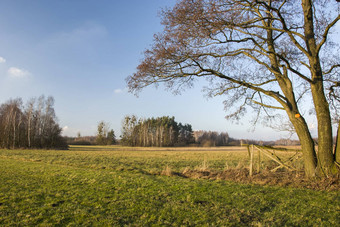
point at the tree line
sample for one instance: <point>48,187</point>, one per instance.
<point>166,132</point>
<point>186,137</point>
<point>33,125</point>
<point>156,132</point>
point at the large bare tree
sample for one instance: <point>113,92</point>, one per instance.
<point>268,54</point>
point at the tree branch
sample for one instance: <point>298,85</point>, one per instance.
<point>325,34</point>
<point>276,95</point>
<point>331,69</point>
<point>267,106</point>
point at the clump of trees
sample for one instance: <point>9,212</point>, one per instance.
<point>105,136</point>
<point>81,140</point>
<point>156,132</point>
<point>31,126</point>
<point>211,138</point>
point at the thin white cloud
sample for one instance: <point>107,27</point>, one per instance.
<point>119,90</point>
<point>2,60</point>
<point>17,73</point>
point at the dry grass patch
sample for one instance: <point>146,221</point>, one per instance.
<point>167,171</point>
<point>294,179</point>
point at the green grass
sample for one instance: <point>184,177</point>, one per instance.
<point>116,186</point>
<point>142,160</point>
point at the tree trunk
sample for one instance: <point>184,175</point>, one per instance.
<point>29,131</point>
<point>307,143</point>
<point>14,129</point>
<point>326,165</point>
<point>337,146</point>
<point>291,107</point>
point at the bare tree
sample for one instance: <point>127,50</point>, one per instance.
<point>30,127</point>
<point>105,136</point>
<point>11,118</point>
<point>128,127</point>
<point>29,114</point>
<point>269,55</point>
<point>102,130</point>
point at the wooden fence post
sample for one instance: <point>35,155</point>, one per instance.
<point>251,161</point>
<point>259,163</point>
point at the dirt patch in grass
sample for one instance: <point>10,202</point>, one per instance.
<point>266,177</point>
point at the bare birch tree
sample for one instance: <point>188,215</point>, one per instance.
<point>33,126</point>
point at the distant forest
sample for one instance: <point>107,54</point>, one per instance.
<point>155,132</point>
<point>31,126</point>
<point>166,132</point>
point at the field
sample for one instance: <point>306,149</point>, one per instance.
<point>116,186</point>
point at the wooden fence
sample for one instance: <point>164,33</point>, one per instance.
<point>271,153</point>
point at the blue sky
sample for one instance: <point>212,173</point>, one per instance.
<point>81,51</point>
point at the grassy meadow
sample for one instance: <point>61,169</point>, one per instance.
<point>117,186</point>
